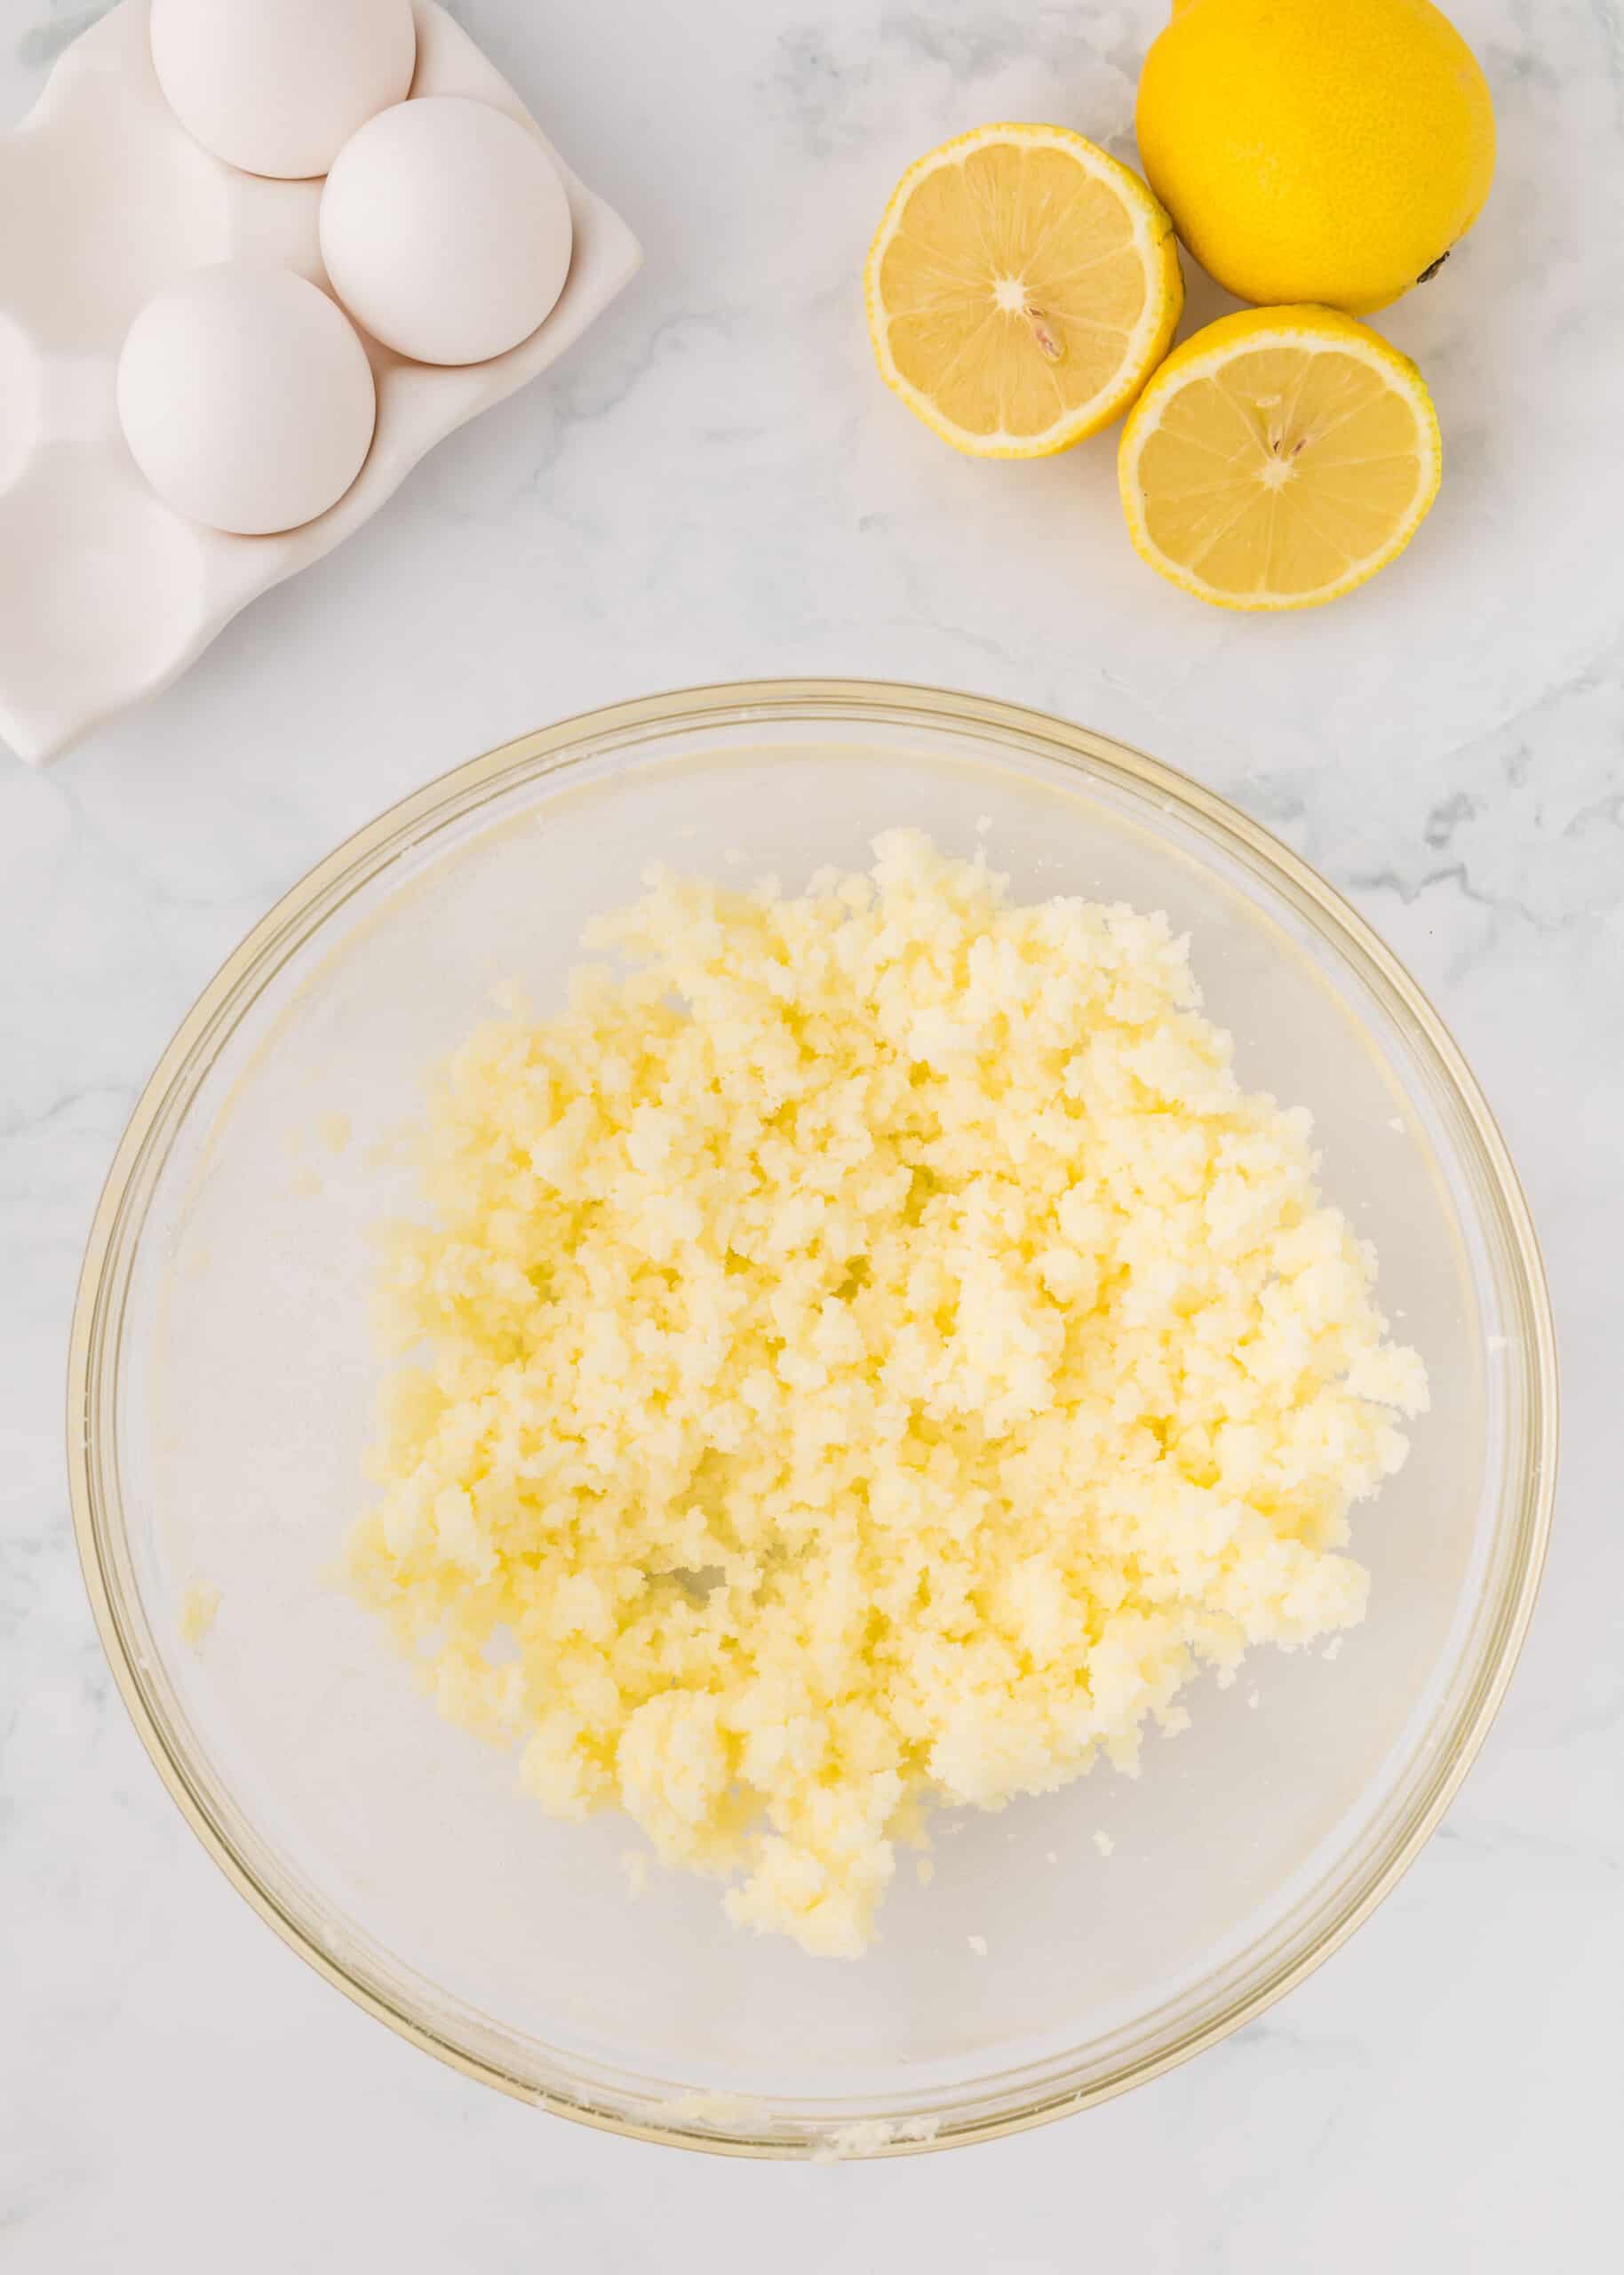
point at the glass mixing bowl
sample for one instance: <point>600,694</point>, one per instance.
<point>222,1377</point>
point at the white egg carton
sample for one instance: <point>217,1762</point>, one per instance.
<point>106,594</point>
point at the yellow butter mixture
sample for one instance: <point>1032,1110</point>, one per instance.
<point>867,1350</point>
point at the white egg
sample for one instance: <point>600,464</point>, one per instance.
<point>445,230</point>
<point>278,86</point>
<point>246,398</point>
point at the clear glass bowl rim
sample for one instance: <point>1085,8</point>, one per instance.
<point>1529,1496</point>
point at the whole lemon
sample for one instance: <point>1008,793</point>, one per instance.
<point>1323,151</point>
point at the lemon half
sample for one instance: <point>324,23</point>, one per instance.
<point>1020,288</point>
<point>1278,459</point>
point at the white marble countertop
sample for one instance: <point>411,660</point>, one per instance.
<point>713,485</point>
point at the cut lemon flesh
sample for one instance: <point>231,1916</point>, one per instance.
<point>1020,288</point>
<point>1278,459</point>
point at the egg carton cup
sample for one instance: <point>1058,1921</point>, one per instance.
<point>106,594</point>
